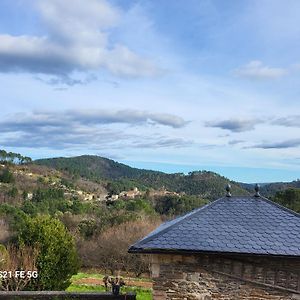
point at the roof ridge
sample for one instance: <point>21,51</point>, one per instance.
<point>280,206</point>
<point>183,218</point>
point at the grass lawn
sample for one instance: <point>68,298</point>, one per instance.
<point>76,286</point>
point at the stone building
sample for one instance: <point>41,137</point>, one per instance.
<point>233,248</point>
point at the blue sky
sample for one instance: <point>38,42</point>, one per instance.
<point>169,85</point>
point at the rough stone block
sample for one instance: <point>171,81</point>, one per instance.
<point>155,269</point>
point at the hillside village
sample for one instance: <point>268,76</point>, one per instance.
<point>135,192</point>
<point>56,180</point>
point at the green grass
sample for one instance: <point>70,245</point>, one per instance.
<point>142,293</point>
<point>82,275</point>
<point>85,288</point>
<point>86,275</point>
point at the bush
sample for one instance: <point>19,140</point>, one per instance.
<point>47,194</point>
<point>87,228</point>
<point>15,217</point>
<point>57,260</point>
<point>134,205</point>
<point>29,208</point>
<point>6,176</point>
<point>79,207</point>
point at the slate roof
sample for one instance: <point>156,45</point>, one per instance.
<point>241,225</point>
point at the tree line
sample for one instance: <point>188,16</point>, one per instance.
<point>13,158</point>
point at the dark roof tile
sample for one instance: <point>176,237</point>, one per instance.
<point>246,225</point>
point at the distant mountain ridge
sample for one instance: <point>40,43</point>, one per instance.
<point>205,184</point>
<point>269,189</point>
<point>93,167</point>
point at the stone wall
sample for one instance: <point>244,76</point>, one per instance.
<point>208,277</point>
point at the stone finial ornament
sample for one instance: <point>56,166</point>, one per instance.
<point>257,189</point>
<point>228,190</point>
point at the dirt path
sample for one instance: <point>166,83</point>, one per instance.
<point>129,282</point>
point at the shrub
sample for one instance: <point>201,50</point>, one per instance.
<point>13,192</point>
<point>15,217</point>
<point>57,260</point>
<point>6,176</point>
<point>29,208</point>
<point>87,228</point>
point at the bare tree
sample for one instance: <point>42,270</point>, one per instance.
<point>109,250</point>
<point>21,268</point>
<point>5,232</point>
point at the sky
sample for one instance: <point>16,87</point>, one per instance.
<point>167,85</point>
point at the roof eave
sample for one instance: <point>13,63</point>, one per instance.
<point>135,250</point>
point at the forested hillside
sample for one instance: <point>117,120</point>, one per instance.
<point>205,184</point>
<point>270,189</point>
<point>93,167</point>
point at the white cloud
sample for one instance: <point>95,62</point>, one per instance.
<point>135,66</point>
<point>93,128</point>
<point>279,145</point>
<point>235,125</point>
<point>257,70</point>
<point>77,19</point>
<point>77,39</point>
<point>289,121</point>
<point>44,119</point>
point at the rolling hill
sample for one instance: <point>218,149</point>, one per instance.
<point>205,184</point>
<point>270,189</point>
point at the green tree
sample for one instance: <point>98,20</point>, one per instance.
<point>289,198</point>
<point>13,192</point>
<point>13,158</point>
<point>57,260</point>
<point>177,205</point>
<point>47,194</point>
<point>14,215</point>
<point>87,228</point>
<point>29,208</point>
<point>6,176</point>
<point>78,207</point>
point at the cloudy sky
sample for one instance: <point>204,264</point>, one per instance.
<point>167,85</point>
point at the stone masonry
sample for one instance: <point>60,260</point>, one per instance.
<point>225,277</point>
